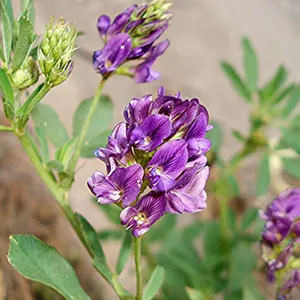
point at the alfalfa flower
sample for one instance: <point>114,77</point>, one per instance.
<point>56,51</point>
<point>281,241</point>
<point>155,161</point>
<point>129,40</point>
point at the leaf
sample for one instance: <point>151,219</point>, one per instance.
<point>101,118</point>
<point>39,262</point>
<point>27,8</point>
<point>6,28</point>
<point>250,290</point>
<point>154,284</point>
<point>103,269</point>
<point>250,64</point>
<point>238,136</point>
<point>1,54</point>
<point>292,166</point>
<point>248,218</point>
<point>44,149</point>
<point>162,229</point>
<point>292,102</point>
<point>25,40</point>
<point>284,93</point>
<point>215,135</point>
<point>195,294</point>
<point>91,237</point>
<point>108,235</point>
<point>263,178</point>
<point>237,81</point>
<point>94,143</point>
<point>274,84</point>
<point>242,263</point>
<point>55,165</point>
<point>112,212</point>
<point>64,153</point>
<point>6,88</point>
<point>45,117</point>
<point>124,253</point>
<point>291,138</point>
<point>9,10</point>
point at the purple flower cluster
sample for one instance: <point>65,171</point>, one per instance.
<point>155,161</point>
<point>281,241</point>
<point>130,37</point>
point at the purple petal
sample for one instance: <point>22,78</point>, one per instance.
<point>129,182</point>
<point>166,164</point>
<point>198,128</point>
<point>148,210</point>
<point>113,54</point>
<point>151,133</point>
<point>103,25</point>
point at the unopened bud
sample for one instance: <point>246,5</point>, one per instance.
<point>56,51</point>
<point>27,75</point>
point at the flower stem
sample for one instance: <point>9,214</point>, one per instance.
<point>85,127</point>
<point>138,267</point>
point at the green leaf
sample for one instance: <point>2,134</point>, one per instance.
<point>292,102</point>
<point>263,178</point>
<point>291,138</point>
<point>216,136</point>
<point>237,81</point>
<point>55,165</point>
<point>112,212</point>
<point>213,253</point>
<point>44,149</point>
<point>39,262</point>
<point>284,93</point>
<point>162,229</point>
<point>108,235</point>
<point>250,290</point>
<point>103,269</point>
<point>124,253</point>
<point>28,9</point>
<point>232,184</point>
<point>45,117</point>
<point>100,121</point>
<point>195,294</point>
<point>9,10</point>
<point>269,90</point>
<point>93,143</point>
<point>6,88</point>
<point>242,263</point>
<point>2,54</point>
<point>91,237</point>
<point>248,218</point>
<point>6,28</point>
<point>24,42</point>
<point>239,136</point>
<point>250,64</point>
<point>292,166</point>
<point>154,284</point>
<point>64,153</point>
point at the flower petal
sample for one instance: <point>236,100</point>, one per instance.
<point>151,133</point>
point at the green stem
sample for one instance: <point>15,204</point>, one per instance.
<point>76,155</point>
<point>138,267</point>
<point>57,192</point>
<point>5,128</point>
<point>30,105</point>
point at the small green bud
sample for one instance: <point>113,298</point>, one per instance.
<point>56,51</point>
<point>27,75</point>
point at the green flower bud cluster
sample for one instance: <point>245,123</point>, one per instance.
<point>27,75</point>
<point>56,51</point>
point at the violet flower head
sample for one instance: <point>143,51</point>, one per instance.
<point>281,241</point>
<point>152,167</point>
<point>131,36</point>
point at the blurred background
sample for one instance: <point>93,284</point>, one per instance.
<point>202,33</point>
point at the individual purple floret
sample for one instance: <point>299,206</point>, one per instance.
<point>281,241</point>
<point>155,160</point>
<point>131,37</point>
